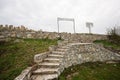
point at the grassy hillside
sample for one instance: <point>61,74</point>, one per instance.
<point>17,55</point>
<point>109,45</point>
<point>92,71</point>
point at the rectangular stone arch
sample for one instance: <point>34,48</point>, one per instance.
<point>66,19</point>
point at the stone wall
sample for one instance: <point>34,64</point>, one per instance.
<point>22,32</point>
<point>25,74</point>
<point>39,57</point>
<point>79,53</point>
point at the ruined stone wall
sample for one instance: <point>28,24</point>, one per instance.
<point>22,32</point>
<point>79,53</point>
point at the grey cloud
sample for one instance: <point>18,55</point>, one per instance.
<point>42,14</point>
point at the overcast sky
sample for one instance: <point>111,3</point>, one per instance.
<point>42,14</point>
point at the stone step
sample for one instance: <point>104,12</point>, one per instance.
<point>57,52</point>
<point>61,50</point>
<point>33,77</point>
<point>45,77</point>
<point>49,65</point>
<point>56,55</point>
<point>46,71</point>
<point>49,68</point>
<point>64,47</point>
<point>54,60</point>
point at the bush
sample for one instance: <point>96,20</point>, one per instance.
<point>114,36</point>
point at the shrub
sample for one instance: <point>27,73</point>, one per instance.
<point>114,36</point>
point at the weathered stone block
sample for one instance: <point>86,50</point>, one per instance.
<point>39,57</point>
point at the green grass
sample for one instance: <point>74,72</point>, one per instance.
<point>14,57</point>
<point>108,44</point>
<point>92,71</point>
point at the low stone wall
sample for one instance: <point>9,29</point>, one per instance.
<point>39,57</point>
<point>25,74</point>
<point>83,38</point>
<point>22,32</point>
<point>79,53</point>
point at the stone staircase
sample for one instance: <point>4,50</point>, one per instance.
<point>50,67</point>
<point>51,64</point>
